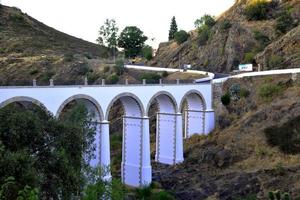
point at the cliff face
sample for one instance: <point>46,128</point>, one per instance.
<point>227,47</point>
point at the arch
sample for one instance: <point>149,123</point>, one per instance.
<point>131,103</point>
<point>165,93</point>
<point>192,97</point>
<point>23,99</point>
<point>81,96</point>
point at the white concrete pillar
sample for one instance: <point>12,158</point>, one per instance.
<point>146,169</point>
<point>179,139</point>
<point>105,150</point>
<point>209,123</point>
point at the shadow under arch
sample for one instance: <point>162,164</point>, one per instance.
<point>193,92</point>
<point>20,99</point>
<point>78,97</point>
<point>130,102</point>
<point>169,95</point>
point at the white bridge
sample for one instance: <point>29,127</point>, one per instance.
<point>174,120</point>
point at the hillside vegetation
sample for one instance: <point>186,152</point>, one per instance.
<point>30,49</point>
<point>259,32</point>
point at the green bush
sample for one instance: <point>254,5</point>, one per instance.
<point>269,90</point>
<point>204,33</point>
<point>286,137</point>
<point>147,52</point>
<point>106,69</point>
<point>275,62</point>
<point>92,77</point>
<point>225,24</point>
<point>257,10</point>
<point>278,195</point>
<point>244,93</point>
<point>225,99</point>
<point>206,20</point>
<point>165,74</point>
<point>68,57</point>
<point>181,36</point>
<point>249,57</point>
<point>261,38</point>
<point>150,77</point>
<point>113,79</point>
<point>119,68</point>
<point>83,69</point>
<point>284,22</point>
<point>34,71</point>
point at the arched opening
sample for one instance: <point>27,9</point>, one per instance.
<point>95,117</point>
<point>162,111</point>
<point>126,116</point>
<point>193,107</point>
<point>25,102</point>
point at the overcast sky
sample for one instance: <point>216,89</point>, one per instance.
<point>83,18</point>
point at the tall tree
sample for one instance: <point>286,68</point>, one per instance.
<point>173,28</point>
<point>132,39</point>
<point>108,34</point>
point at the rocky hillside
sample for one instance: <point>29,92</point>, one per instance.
<point>236,39</point>
<point>254,150</point>
<point>30,49</point>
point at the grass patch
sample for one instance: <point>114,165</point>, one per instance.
<point>268,90</point>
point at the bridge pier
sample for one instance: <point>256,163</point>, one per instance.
<point>105,150</point>
<point>136,166</point>
<point>169,144</point>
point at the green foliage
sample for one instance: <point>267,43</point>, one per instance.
<point>113,79</point>
<point>82,69</point>
<point>284,22</point>
<point>106,69</point>
<point>68,57</point>
<point>108,34</point>
<point>225,25</point>
<point>147,52</point>
<point>173,28</point>
<point>244,93</point>
<point>148,193</point>
<point>165,74</point>
<point>278,195</point>
<point>150,77</point>
<point>225,99</point>
<point>204,33</point>
<point>119,68</point>
<point>285,137</point>
<point>261,38</point>
<point>181,36</point>
<point>92,77</point>
<point>247,197</point>
<point>204,25</point>
<point>132,39</point>
<point>34,71</point>
<point>207,20</point>
<point>249,57</point>
<point>37,144</point>
<point>257,10</point>
<point>275,62</point>
<point>98,189</point>
<point>269,90</point>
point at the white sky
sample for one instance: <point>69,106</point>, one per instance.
<point>83,18</point>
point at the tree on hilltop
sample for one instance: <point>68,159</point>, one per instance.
<point>173,29</point>
<point>132,40</point>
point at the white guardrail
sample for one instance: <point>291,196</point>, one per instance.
<point>161,69</point>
